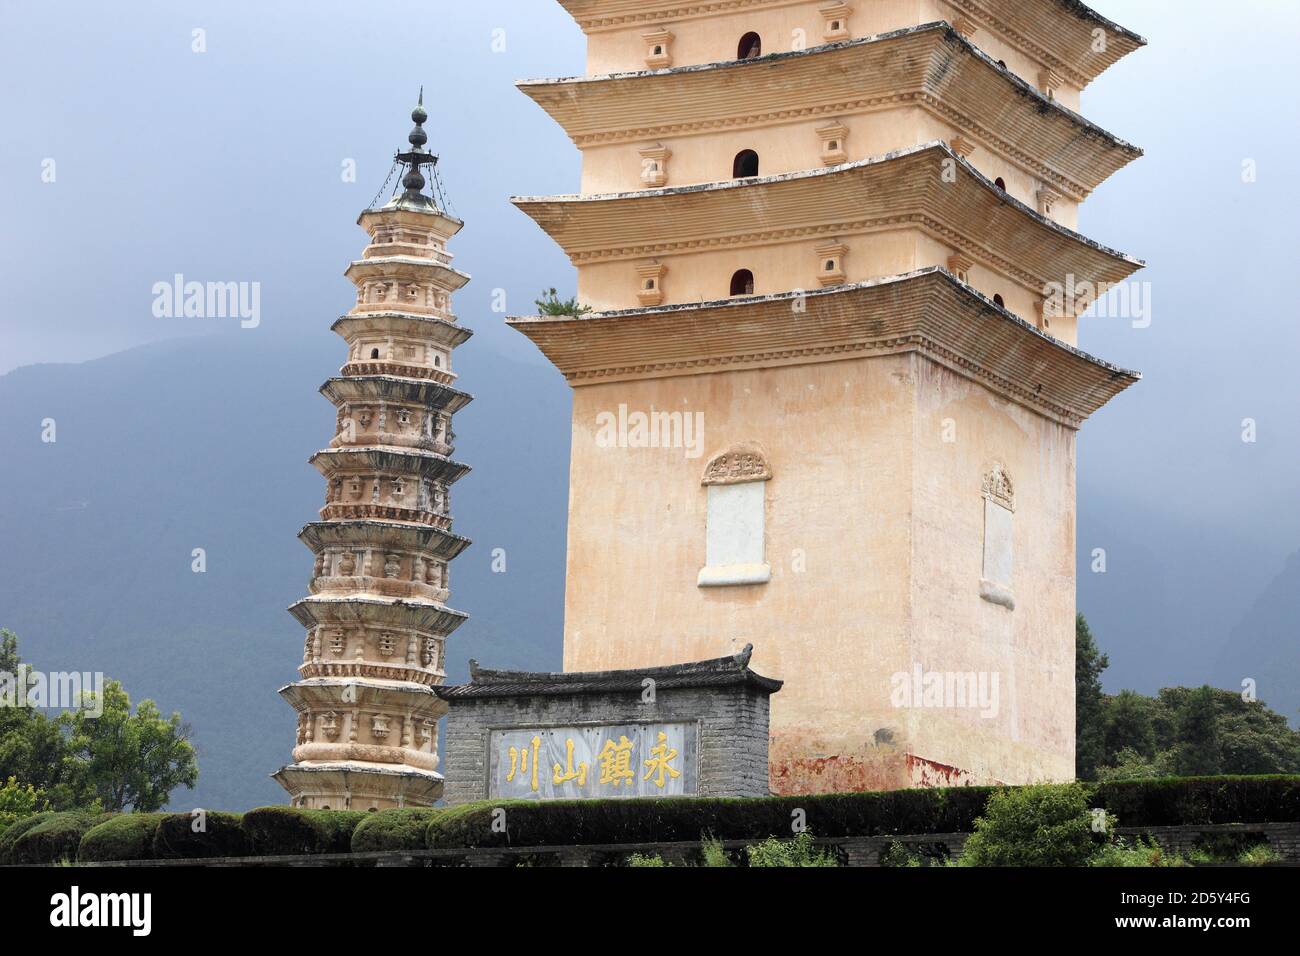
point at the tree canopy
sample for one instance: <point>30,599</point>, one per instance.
<point>122,759</point>
<point>1182,731</point>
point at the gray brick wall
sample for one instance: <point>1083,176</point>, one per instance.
<point>732,721</point>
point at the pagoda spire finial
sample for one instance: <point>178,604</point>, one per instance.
<point>416,157</point>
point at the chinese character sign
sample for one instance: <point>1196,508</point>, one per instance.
<point>629,760</point>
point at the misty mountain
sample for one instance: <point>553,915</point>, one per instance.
<point>1265,646</point>
<point>203,443</point>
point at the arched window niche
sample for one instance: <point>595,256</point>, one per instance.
<point>750,47</point>
<point>742,282</point>
<point>735,551</point>
<point>999,510</point>
<point>745,165</point>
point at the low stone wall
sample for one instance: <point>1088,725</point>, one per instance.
<point>1284,838</point>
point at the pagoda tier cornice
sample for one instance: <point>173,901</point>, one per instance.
<point>595,15</point>
<point>444,545</point>
<point>928,311</point>
<point>904,189</point>
<point>372,610</point>
<point>382,267</point>
<point>369,692</point>
<point>391,388</point>
<point>436,329</point>
<point>433,219</point>
<point>1057,33</point>
<point>407,785</point>
<point>931,66</point>
<point>388,459</point>
<point>408,673</point>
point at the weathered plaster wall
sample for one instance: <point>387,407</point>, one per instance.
<point>874,536</point>
<point>712,36</point>
<point>1030,649</point>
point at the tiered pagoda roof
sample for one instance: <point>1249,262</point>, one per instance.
<point>931,66</point>
<point>929,311</point>
<point>1060,33</point>
<point>900,189</point>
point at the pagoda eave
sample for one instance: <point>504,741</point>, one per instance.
<point>441,331</point>
<point>899,190</point>
<point>383,267</point>
<point>407,785</point>
<point>931,66</point>
<point>370,388</point>
<point>365,692</point>
<point>441,544</point>
<point>444,224</point>
<point>392,612</point>
<point>348,459</point>
<point>1058,32</point>
<point>928,311</point>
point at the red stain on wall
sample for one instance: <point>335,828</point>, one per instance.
<point>846,774</point>
<point>931,773</point>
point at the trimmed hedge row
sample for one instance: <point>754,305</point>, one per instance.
<point>47,837</point>
<point>278,831</point>
<point>399,829</point>
<point>273,831</point>
<point>267,831</point>
<point>688,819</point>
<point>1176,801</point>
<point>127,836</point>
<point>1136,803</point>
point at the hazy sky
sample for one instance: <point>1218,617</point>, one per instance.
<point>226,165</point>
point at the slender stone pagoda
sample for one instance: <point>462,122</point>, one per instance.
<point>840,237</point>
<point>376,619</point>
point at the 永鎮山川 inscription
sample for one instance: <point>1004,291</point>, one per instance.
<point>627,760</point>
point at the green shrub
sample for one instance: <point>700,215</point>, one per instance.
<point>188,836</point>
<point>642,859</point>
<point>397,829</point>
<point>284,831</point>
<point>18,802</point>
<point>1042,825</point>
<point>126,836</point>
<point>13,832</point>
<point>1140,853</point>
<point>53,837</point>
<point>713,854</point>
<point>897,855</point>
<point>1258,855</point>
<point>801,851</point>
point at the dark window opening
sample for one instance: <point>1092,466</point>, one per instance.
<point>751,45</point>
<point>374,353</point>
<point>997,300</point>
<point>745,164</point>
<point>1000,183</point>
<point>742,283</point>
